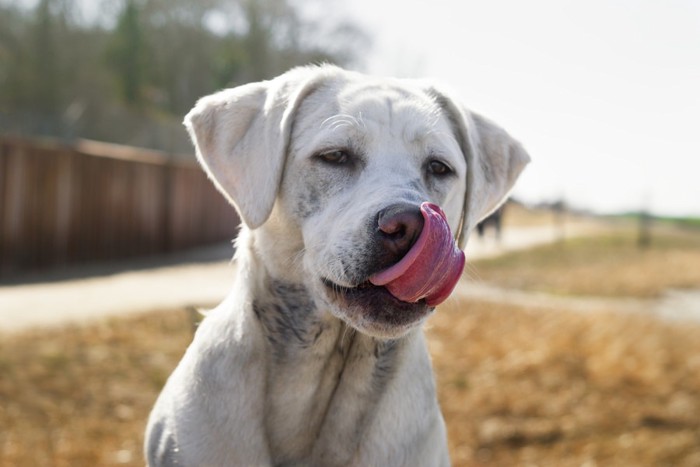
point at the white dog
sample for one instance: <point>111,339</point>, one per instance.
<point>317,357</point>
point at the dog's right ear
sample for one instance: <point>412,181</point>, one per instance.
<point>241,137</point>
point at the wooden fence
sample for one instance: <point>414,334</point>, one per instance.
<point>90,201</point>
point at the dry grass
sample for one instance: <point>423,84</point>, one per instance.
<point>517,386</point>
<point>610,265</point>
<point>536,387</point>
<point>79,396</point>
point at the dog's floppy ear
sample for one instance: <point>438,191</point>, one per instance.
<point>494,162</point>
<point>241,137</point>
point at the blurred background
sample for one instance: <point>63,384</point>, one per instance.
<point>127,71</point>
<point>573,337</point>
<point>604,94</point>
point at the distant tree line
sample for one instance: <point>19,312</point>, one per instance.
<point>127,71</point>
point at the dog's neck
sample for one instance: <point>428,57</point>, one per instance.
<point>316,366</point>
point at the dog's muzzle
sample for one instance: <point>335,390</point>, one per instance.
<point>415,266</point>
<point>431,265</point>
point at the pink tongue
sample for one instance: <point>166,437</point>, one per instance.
<point>431,268</point>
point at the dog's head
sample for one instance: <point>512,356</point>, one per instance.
<point>332,172</point>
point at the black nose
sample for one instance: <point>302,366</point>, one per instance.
<point>398,228</point>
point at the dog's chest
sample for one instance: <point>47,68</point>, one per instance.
<point>320,402</point>
<point>323,380</point>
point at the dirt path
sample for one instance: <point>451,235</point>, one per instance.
<point>193,279</point>
<point>674,305</point>
<point>200,278</point>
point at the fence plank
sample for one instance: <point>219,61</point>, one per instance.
<point>65,204</point>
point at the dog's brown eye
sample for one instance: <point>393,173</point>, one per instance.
<point>335,157</point>
<point>438,168</point>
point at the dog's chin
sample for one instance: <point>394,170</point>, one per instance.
<point>373,310</point>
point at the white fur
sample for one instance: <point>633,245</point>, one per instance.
<point>283,372</point>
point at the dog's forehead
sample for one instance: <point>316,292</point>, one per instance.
<point>387,101</point>
<point>377,109</point>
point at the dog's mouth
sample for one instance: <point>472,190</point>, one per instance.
<point>398,296</point>
<point>375,308</point>
<point>361,291</point>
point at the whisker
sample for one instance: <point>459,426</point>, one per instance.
<point>471,272</point>
<point>347,332</point>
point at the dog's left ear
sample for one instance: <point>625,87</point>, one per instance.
<point>494,162</point>
<point>241,137</point>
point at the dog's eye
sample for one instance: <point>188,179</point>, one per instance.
<point>438,168</point>
<point>338,157</point>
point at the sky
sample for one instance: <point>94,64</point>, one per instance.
<point>604,94</point>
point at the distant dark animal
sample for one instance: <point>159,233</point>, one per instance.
<point>494,219</point>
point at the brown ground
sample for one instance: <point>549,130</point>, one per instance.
<point>518,386</point>
<point>547,388</point>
